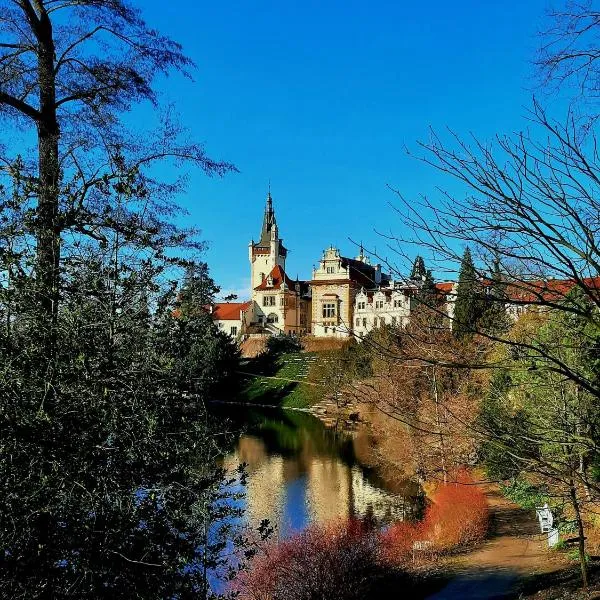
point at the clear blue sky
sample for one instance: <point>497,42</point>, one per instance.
<point>321,98</point>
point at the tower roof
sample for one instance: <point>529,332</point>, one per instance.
<point>268,222</point>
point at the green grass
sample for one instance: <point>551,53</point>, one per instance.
<point>278,380</point>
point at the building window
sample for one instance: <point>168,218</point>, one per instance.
<point>357,322</point>
<point>394,321</point>
<point>328,310</point>
<point>330,270</point>
<point>233,330</point>
<point>272,318</point>
<point>364,323</point>
<point>268,300</point>
<point>382,321</point>
<point>361,306</point>
<point>282,301</point>
<point>379,304</point>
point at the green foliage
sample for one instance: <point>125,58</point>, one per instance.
<point>494,320</point>
<point>283,344</point>
<point>469,305</point>
<point>198,289</point>
<point>418,270</point>
<point>504,428</point>
<point>525,494</point>
<point>112,487</point>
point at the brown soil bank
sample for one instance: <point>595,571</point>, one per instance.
<point>514,552</point>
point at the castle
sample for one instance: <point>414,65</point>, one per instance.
<point>345,296</point>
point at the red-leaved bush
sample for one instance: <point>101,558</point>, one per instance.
<point>341,561</point>
<point>457,516</point>
<point>335,561</point>
<point>396,542</point>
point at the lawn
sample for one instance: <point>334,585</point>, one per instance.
<point>278,380</point>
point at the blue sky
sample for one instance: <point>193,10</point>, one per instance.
<point>322,97</point>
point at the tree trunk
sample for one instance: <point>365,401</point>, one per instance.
<point>438,419</point>
<point>581,531</point>
<point>48,219</point>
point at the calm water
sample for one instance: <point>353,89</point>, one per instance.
<point>302,472</point>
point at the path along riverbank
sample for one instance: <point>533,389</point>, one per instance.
<point>514,551</point>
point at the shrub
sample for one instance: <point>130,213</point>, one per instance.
<point>336,561</point>
<point>458,514</point>
<point>282,344</point>
<point>397,542</point>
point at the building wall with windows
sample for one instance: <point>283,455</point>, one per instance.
<point>385,306</point>
<point>334,285</point>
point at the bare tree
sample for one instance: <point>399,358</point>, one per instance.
<point>570,51</point>
<point>528,208</point>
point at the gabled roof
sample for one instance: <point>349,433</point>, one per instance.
<point>229,311</point>
<point>278,275</point>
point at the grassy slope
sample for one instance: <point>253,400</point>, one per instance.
<point>262,389</point>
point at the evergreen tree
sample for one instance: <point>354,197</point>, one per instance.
<point>427,294</point>
<point>418,270</point>
<point>198,290</point>
<point>494,319</point>
<point>469,305</point>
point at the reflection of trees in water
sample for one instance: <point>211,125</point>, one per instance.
<point>285,448</point>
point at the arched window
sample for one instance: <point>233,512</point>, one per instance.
<point>272,318</point>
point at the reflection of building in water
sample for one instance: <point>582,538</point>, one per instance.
<point>370,500</point>
<point>329,489</point>
<point>265,488</point>
<point>293,490</point>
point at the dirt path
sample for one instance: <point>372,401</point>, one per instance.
<point>514,550</point>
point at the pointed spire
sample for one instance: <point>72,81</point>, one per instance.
<point>268,220</point>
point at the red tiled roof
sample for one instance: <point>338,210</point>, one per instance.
<point>535,291</point>
<point>279,276</point>
<point>229,311</point>
<point>549,291</point>
<point>445,286</point>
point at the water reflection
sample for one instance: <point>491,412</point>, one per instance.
<point>301,472</point>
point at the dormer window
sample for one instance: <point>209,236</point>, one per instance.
<point>269,281</point>
<point>330,270</point>
<point>378,303</point>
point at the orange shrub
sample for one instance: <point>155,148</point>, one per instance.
<point>458,514</point>
<point>335,561</point>
<point>397,542</point>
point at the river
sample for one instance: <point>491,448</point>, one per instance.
<point>301,472</point>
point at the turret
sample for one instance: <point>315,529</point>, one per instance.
<point>269,251</point>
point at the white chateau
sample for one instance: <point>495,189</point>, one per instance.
<point>345,297</point>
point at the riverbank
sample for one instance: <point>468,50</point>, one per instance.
<point>513,557</point>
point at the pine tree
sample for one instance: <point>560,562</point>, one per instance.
<point>469,306</point>
<point>427,293</point>
<point>494,319</point>
<point>198,290</point>
<point>418,269</point>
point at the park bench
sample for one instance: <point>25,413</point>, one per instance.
<point>421,547</point>
<point>546,519</point>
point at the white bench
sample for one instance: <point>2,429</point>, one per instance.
<point>546,519</point>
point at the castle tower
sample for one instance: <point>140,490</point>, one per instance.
<point>269,251</point>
